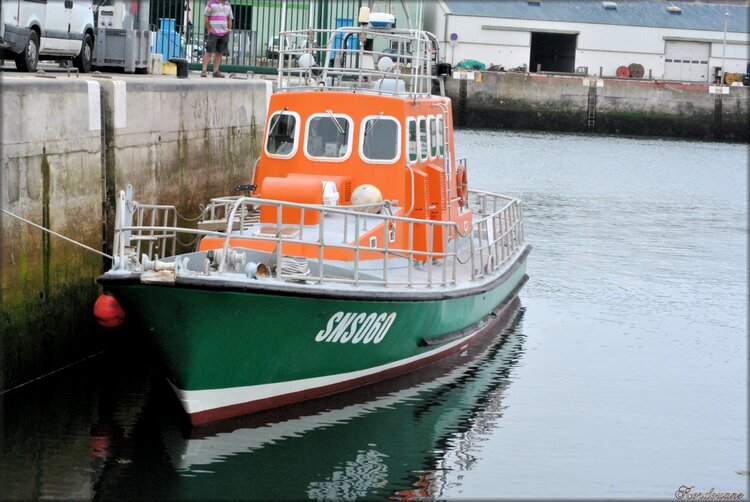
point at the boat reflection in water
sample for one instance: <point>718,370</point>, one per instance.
<point>387,440</point>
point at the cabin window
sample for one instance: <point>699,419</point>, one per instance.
<point>412,129</point>
<point>328,136</point>
<point>381,139</point>
<point>423,145</point>
<point>433,138</point>
<point>282,134</point>
<point>440,136</point>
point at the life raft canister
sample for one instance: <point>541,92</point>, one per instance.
<point>108,311</point>
<point>462,185</point>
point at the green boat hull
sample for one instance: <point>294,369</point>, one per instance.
<point>393,441</point>
<point>234,351</point>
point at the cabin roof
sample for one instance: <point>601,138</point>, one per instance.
<point>315,101</point>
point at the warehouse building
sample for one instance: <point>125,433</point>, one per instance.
<point>680,41</point>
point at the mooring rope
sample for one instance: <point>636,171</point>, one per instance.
<point>58,235</point>
<point>53,371</point>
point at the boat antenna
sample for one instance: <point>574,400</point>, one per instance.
<point>406,11</point>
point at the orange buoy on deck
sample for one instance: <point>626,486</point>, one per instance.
<point>108,311</point>
<point>462,185</point>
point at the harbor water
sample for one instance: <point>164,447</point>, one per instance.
<point>622,372</point>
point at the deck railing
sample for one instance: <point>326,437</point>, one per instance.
<point>383,61</point>
<point>498,228</point>
<point>496,234</point>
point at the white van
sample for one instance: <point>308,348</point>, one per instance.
<point>31,30</point>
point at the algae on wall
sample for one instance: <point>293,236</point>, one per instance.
<point>45,281</point>
<point>180,145</point>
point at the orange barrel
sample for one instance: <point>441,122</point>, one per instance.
<point>297,189</point>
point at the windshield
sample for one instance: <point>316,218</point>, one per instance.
<point>380,139</point>
<point>281,134</point>
<point>328,136</point>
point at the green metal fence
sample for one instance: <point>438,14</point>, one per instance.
<point>254,42</point>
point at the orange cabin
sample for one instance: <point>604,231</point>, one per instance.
<point>401,145</point>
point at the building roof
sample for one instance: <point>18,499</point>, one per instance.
<point>654,13</point>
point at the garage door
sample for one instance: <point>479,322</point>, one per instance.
<point>686,61</point>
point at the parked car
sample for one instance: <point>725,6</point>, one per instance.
<point>272,51</point>
<point>31,30</point>
<point>399,56</point>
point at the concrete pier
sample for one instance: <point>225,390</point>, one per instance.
<point>68,146</point>
<point>606,106</point>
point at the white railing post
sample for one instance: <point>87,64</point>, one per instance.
<point>410,269</point>
<point>279,229</point>
<point>356,248</point>
<point>321,244</point>
<point>119,247</point>
<point>386,232</point>
<point>430,256</point>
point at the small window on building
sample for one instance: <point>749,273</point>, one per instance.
<point>380,139</point>
<point>433,138</point>
<point>440,135</point>
<point>282,134</point>
<point>423,144</point>
<point>328,136</point>
<point>412,140</point>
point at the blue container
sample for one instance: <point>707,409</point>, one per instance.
<point>168,42</point>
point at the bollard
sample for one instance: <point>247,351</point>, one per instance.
<point>155,64</point>
<point>182,67</point>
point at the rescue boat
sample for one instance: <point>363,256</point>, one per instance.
<point>357,252</point>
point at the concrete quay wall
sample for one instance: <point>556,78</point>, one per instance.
<point>68,146</point>
<point>620,106</point>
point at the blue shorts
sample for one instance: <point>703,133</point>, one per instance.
<point>215,43</point>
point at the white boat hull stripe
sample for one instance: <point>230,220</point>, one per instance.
<point>195,401</point>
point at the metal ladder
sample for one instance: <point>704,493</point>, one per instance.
<point>592,106</point>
